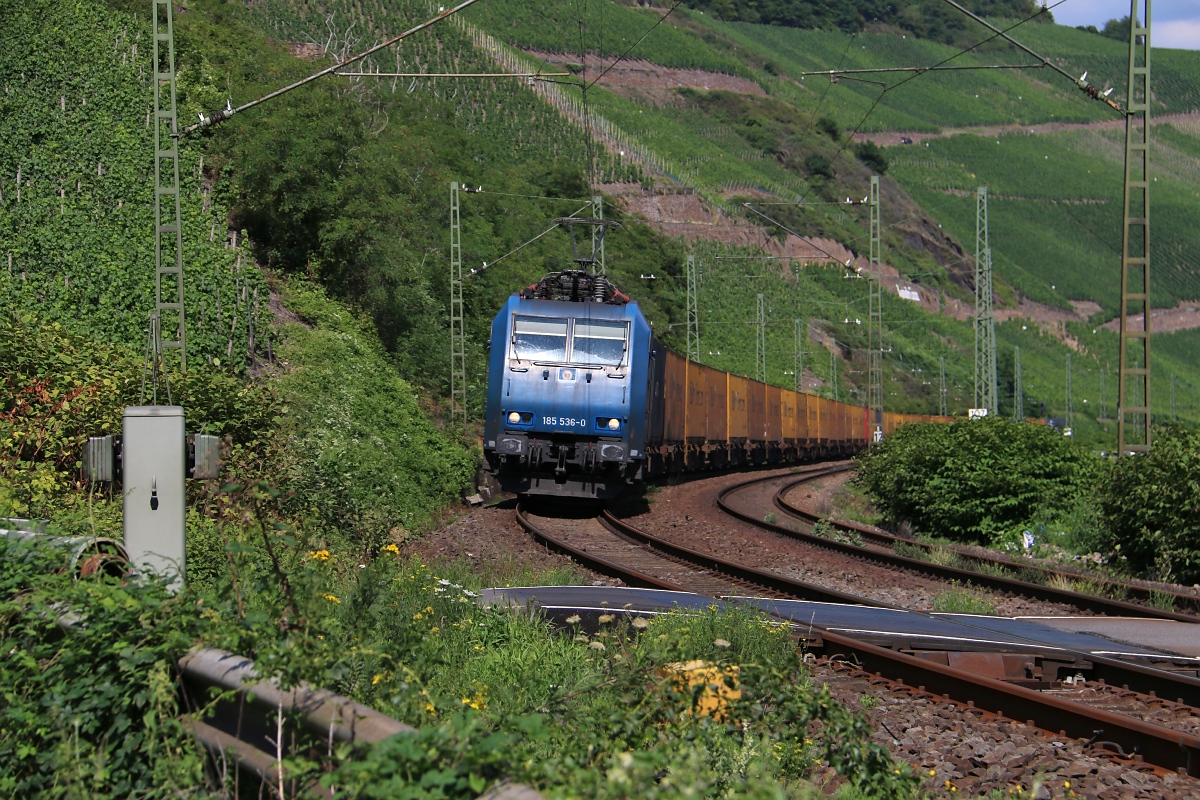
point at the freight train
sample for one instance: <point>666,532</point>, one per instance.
<point>583,400</point>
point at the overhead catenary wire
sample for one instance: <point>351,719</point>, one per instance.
<point>220,116</point>
<point>533,75</point>
<point>629,50</point>
<point>953,67</point>
<point>525,244</point>
<point>998,33</point>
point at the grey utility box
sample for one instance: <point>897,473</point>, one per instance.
<point>154,463</point>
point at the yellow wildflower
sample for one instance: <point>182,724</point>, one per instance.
<point>377,679</point>
<point>332,599</point>
<point>390,548</point>
<point>319,555</point>
<point>418,615</point>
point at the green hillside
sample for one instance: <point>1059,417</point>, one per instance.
<point>345,182</point>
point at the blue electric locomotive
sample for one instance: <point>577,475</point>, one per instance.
<point>567,382</point>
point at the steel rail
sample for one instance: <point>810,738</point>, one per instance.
<point>1102,605</point>
<point>1159,746</point>
<point>1144,679</point>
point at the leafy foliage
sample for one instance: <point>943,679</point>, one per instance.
<point>373,462</point>
<point>93,712</point>
<point>1149,505</point>
<point>76,188</point>
<point>974,480</point>
<point>928,19</point>
<point>60,387</point>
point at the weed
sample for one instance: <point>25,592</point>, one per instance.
<point>993,568</point>
<point>827,530</point>
<point>771,518</point>
<point>945,557</point>
<point>1163,601</point>
<point>963,600</point>
<point>910,551</point>
<point>868,702</point>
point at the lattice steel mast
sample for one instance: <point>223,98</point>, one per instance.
<point>458,340</point>
<point>875,315</point>
<point>1133,383</point>
<point>168,227</point>
<point>760,362</point>
<point>798,355</point>
<point>1070,397</point>
<point>943,408</point>
<point>985,323</point>
<point>1018,390</point>
<point>598,213</point>
<point>693,311</point>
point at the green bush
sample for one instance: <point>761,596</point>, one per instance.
<point>93,712</point>
<point>59,388</point>
<point>369,459</point>
<point>1150,506</point>
<point>973,480</point>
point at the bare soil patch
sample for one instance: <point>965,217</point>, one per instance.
<point>635,73</point>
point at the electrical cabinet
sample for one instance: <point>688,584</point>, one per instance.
<point>154,463</point>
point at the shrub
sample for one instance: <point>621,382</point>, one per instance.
<point>1149,506</point>
<point>972,480</point>
<point>829,127</point>
<point>872,156</point>
<point>817,166</point>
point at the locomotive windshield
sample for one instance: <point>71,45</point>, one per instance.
<point>540,338</point>
<point>599,342</point>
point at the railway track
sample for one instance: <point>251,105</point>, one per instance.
<point>880,548</point>
<point>610,546</point>
<point>1143,595</point>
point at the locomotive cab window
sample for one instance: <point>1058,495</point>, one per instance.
<point>599,342</point>
<point>540,338</point>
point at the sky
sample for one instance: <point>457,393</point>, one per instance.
<point>1173,23</point>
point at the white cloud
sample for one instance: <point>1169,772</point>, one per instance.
<point>1183,33</point>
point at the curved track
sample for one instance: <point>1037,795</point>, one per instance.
<point>1000,583</point>
<point>1038,589</point>
<point>612,547</point>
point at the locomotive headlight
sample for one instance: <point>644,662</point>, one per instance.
<point>614,424</point>
<point>514,418</point>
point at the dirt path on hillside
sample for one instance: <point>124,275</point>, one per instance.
<point>637,78</point>
<point>1182,317</point>
<point>889,138</point>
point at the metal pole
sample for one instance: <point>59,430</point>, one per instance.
<point>798,355</point>
<point>1070,397</point>
<point>1018,389</point>
<point>760,364</point>
<point>943,408</point>
<point>875,314</point>
<point>167,219</point>
<point>458,352</point>
<point>693,312</point>
<point>833,376</point>
<point>985,323</point>
<point>1103,394</point>
<point>1133,383</point>
<point>598,213</point>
